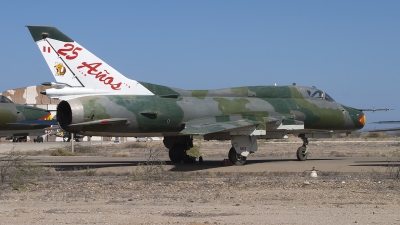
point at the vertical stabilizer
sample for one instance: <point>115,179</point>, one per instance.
<point>72,64</point>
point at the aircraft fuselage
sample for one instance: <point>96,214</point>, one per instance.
<point>167,114</point>
<point>11,113</point>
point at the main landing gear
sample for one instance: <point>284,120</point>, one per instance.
<point>178,145</point>
<point>242,146</point>
<point>177,153</point>
<point>235,158</point>
<point>302,151</point>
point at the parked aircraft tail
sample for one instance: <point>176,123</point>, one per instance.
<point>80,70</point>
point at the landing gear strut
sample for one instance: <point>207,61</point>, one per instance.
<point>302,151</point>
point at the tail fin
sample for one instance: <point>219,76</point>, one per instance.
<point>72,64</point>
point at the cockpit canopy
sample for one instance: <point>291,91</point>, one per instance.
<point>317,94</point>
<point>4,99</point>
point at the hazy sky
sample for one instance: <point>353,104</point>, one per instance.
<point>350,49</point>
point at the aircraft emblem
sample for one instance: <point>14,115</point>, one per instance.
<point>60,69</point>
<point>362,120</point>
<point>47,117</point>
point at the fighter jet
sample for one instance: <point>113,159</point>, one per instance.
<point>100,101</point>
<point>20,120</point>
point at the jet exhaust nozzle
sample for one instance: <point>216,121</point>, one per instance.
<point>70,112</point>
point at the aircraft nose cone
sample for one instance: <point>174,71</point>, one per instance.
<point>362,121</point>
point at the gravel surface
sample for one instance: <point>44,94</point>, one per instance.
<point>227,199</point>
<point>155,195</point>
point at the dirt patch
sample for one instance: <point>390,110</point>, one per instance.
<point>215,198</point>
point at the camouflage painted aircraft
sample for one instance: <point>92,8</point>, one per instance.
<point>98,100</point>
<point>21,120</point>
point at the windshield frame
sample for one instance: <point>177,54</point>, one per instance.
<point>314,93</point>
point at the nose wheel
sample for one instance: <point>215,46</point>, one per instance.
<point>302,151</point>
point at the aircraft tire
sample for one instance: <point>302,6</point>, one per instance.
<point>301,153</point>
<point>236,159</point>
<point>176,153</point>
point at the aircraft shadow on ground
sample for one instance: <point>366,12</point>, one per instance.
<point>70,165</point>
<point>83,166</point>
<point>181,167</point>
<point>383,163</point>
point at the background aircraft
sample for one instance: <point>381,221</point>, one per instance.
<point>22,120</point>
<point>388,129</point>
<point>100,101</point>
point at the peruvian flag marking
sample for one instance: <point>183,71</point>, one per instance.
<point>46,49</point>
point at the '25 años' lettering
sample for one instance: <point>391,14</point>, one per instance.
<point>69,47</point>
<point>108,80</point>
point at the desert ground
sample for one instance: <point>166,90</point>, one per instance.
<point>151,190</point>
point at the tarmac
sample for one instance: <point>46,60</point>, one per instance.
<point>7,146</point>
<point>214,164</point>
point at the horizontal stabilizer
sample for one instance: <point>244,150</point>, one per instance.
<point>374,110</point>
<point>386,122</point>
<point>209,125</point>
<point>112,121</point>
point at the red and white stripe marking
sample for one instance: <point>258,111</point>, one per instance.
<point>46,49</point>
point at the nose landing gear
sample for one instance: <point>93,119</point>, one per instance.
<point>302,151</point>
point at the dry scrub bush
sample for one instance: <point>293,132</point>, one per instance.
<point>378,135</point>
<point>121,154</point>
<point>153,168</point>
<point>89,172</point>
<point>16,171</point>
<point>194,151</point>
<point>85,149</point>
<point>393,167</point>
<point>78,150</point>
<point>61,152</point>
<point>337,154</point>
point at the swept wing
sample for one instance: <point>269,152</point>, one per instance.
<point>209,125</point>
<point>34,124</point>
